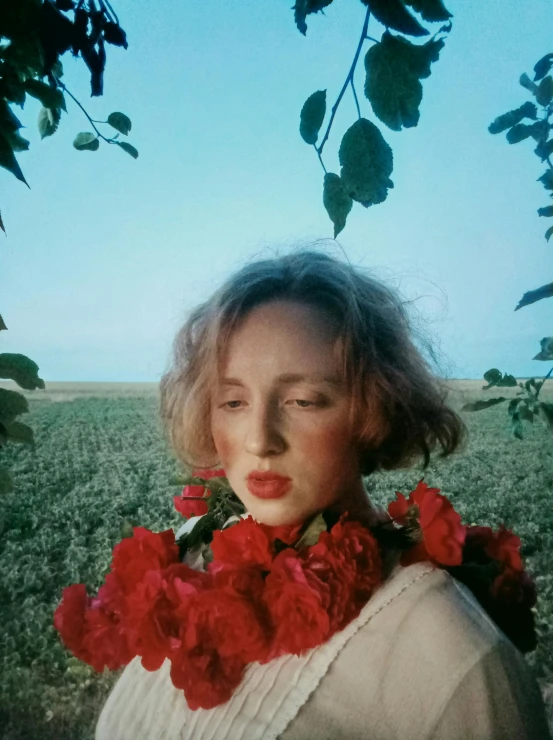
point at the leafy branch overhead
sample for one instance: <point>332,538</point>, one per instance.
<point>541,87</point>
<point>394,68</point>
<point>35,34</point>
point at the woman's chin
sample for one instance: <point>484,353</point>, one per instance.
<point>272,517</point>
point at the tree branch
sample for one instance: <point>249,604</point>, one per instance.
<point>355,97</point>
<point>100,135</point>
<point>349,78</point>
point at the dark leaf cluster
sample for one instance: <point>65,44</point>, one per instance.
<point>394,68</point>
<point>24,372</point>
<point>519,409</point>
<point>35,34</point>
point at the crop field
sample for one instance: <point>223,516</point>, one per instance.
<point>100,463</point>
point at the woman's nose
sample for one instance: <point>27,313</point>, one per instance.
<point>264,433</point>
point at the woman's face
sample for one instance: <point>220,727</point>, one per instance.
<point>268,412</point>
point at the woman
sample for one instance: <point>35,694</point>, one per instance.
<point>299,377</point>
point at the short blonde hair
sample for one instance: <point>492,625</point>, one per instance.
<point>388,378</point>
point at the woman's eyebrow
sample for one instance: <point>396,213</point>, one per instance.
<point>290,378</point>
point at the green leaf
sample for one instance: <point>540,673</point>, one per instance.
<point>513,405</point>
<point>86,141</point>
<point>50,97</point>
<point>8,120</point>
<point>57,69</point>
<point>518,133</point>
<point>48,121</point>
<point>546,211</point>
<point>525,413</point>
<point>547,179</point>
<point>548,233</point>
<point>546,343</point>
<point>507,381</point>
<point>127,148</point>
<point>517,427</point>
<point>394,14</point>
<point>336,201</point>
<point>303,8</point>
<point>312,116</point>
<point>367,163</point>
<point>14,90</point>
<point>394,69</point>
<point>546,291</point>
<point>6,482</point>
<point>544,94</point>
<point>2,324</point>
<point>544,149</point>
<point>12,403</point>
<point>480,405</point>
<point>17,142</point>
<point>546,413</point>
<point>430,10</point>
<point>542,67</point>
<point>493,376</point>
<point>19,432</point>
<point>507,120</point>
<point>120,122</point>
<point>8,160</point>
<point>21,369</point>
<point>312,533</point>
<point>526,82</point>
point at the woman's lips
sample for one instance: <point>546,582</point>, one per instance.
<point>269,488</point>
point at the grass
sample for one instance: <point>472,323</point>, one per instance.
<point>100,463</point>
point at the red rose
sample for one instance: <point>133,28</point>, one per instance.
<point>358,546</point>
<point>191,508</point>
<point>287,533</point>
<point>476,545</point>
<point>228,622</point>
<point>69,617</point>
<point>135,556</point>
<point>482,543</point>
<point>515,587</point>
<point>244,543</point>
<point>105,641</point>
<point>505,547</point>
<point>182,584</point>
<point>206,678</point>
<point>151,620</point>
<point>295,607</point>
<point>246,582</point>
<point>442,532</point>
<point>334,580</point>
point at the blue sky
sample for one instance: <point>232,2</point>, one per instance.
<point>105,254</point>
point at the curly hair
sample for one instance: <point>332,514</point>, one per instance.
<point>387,377</point>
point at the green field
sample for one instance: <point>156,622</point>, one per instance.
<point>100,462</point>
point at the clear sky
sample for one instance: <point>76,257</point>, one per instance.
<point>105,254</point>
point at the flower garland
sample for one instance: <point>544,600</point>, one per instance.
<point>268,591</point>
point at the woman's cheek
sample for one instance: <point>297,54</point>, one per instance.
<point>224,443</point>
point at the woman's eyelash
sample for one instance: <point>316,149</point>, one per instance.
<point>296,400</point>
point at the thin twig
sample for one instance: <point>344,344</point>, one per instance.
<point>112,11</point>
<point>355,96</point>
<point>101,136</point>
<point>348,78</point>
<point>320,159</point>
<point>541,386</point>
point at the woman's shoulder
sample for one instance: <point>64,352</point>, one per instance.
<point>419,639</point>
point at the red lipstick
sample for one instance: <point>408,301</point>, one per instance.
<point>268,484</point>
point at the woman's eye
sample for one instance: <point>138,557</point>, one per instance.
<point>302,403</point>
<point>229,402</point>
